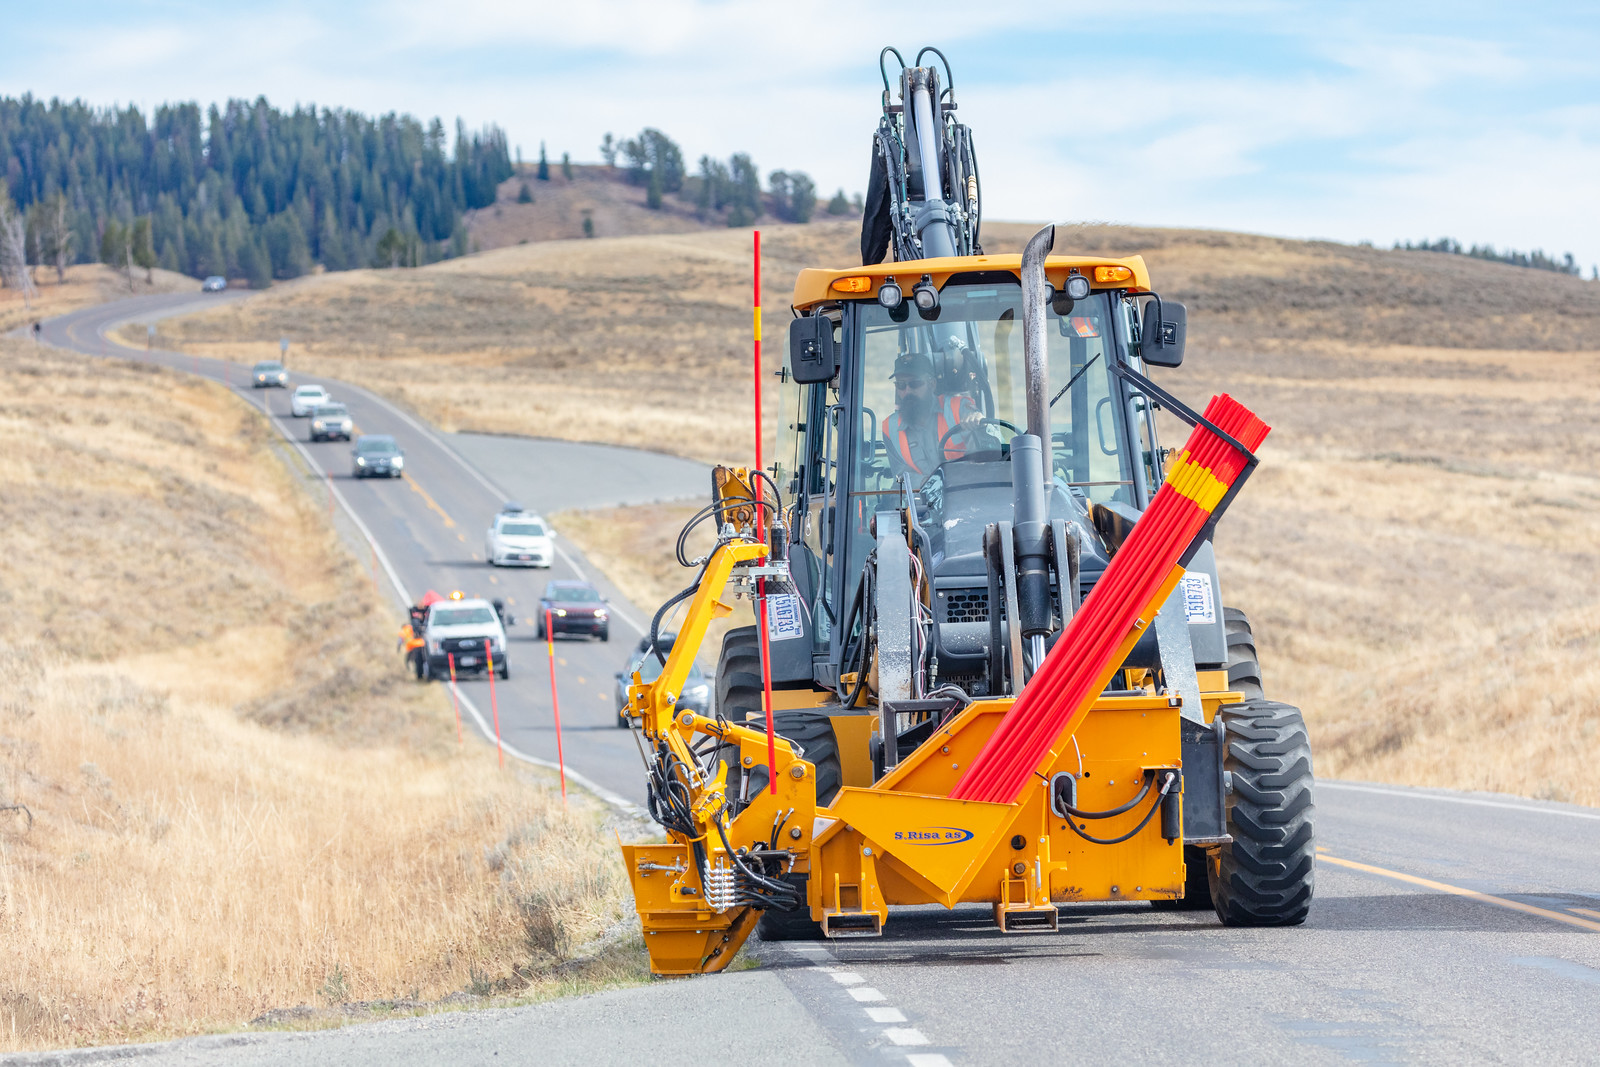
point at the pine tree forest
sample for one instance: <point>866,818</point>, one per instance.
<point>244,190</point>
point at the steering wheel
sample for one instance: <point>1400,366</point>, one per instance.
<point>958,427</point>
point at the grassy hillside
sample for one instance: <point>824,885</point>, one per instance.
<point>219,796</point>
<point>1419,549</point>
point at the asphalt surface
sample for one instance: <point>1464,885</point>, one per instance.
<point>1448,927</point>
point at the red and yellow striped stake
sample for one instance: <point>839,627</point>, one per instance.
<point>494,703</point>
<point>760,495</point>
<point>555,701</point>
<point>455,697</point>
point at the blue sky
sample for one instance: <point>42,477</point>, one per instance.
<point>1376,121</point>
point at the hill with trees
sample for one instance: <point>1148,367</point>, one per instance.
<point>249,191</point>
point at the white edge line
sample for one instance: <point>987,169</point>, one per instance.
<point>1474,801</point>
<point>592,786</point>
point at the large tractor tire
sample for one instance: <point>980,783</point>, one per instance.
<point>1244,667</point>
<point>789,925</point>
<point>1264,877</point>
<point>1196,883</point>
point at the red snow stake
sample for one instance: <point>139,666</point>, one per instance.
<point>455,698</point>
<point>488,652</point>
<point>555,701</point>
<point>1098,638</point>
<point>760,495</point>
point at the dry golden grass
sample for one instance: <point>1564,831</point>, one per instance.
<point>1418,551</point>
<point>85,284</point>
<point>181,866</point>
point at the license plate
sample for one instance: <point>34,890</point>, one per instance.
<point>525,556</point>
<point>468,661</point>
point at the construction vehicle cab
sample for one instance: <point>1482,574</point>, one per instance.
<point>993,664</point>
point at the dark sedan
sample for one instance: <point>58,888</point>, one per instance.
<point>574,608</point>
<point>696,695</point>
<point>376,455</point>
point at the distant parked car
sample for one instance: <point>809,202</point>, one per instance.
<point>376,455</point>
<point>696,695</point>
<point>269,374</point>
<point>214,284</point>
<point>574,608</point>
<point>331,420</point>
<point>306,399</point>
<point>518,538</point>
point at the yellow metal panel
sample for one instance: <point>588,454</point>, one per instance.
<point>940,839</point>
<point>854,731</point>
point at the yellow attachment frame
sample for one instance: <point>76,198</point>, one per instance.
<point>902,840</point>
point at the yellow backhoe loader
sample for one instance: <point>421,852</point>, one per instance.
<point>997,667</point>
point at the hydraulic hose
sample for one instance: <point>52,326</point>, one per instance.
<point>1167,779</point>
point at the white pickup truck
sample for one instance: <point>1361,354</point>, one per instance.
<point>469,630</point>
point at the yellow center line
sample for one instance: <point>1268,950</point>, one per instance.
<point>423,493</point>
<point>1473,894</point>
<point>1586,911</point>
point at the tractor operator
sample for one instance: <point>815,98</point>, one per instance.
<point>922,417</point>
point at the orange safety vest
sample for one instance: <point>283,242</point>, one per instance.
<point>951,411</point>
<point>409,640</point>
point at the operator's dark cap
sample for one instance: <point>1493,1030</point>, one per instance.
<point>913,365</point>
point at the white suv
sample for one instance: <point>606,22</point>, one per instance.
<point>306,399</point>
<point>518,538</point>
<point>467,630</point>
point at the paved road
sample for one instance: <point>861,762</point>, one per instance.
<point>1448,927</point>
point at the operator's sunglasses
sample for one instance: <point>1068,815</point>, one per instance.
<point>906,385</point>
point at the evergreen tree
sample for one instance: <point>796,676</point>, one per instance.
<point>608,151</point>
<point>142,249</point>
<point>302,185</point>
<point>544,164</point>
<point>652,197</point>
<point>744,190</point>
<point>525,195</point>
<point>839,205</point>
<point>113,244</point>
<point>255,263</point>
<point>566,165</point>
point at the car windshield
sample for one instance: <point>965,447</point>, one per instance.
<point>522,529</point>
<point>331,409</point>
<point>268,368</point>
<point>376,444</point>
<point>309,391</point>
<point>466,616</point>
<point>572,594</point>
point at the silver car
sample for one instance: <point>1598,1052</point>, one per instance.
<point>330,421</point>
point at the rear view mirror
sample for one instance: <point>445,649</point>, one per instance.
<point>813,355</point>
<point>1166,327</point>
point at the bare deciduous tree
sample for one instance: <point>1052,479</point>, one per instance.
<point>14,249</point>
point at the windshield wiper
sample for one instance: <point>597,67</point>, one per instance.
<point>1073,380</point>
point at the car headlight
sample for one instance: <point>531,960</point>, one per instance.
<point>600,613</point>
<point>559,613</point>
<point>398,461</point>
<point>697,692</point>
<point>316,424</point>
<point>361,461</point>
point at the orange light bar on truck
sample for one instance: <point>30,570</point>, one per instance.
<point>1110,275</point>
<point>857,283</point>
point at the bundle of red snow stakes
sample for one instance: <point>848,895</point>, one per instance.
<point>1125,599</point>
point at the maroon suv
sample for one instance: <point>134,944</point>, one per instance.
<point>574,608</point>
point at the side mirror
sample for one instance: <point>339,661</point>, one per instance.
<point>1166,327</point>
<point>813,355</point>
